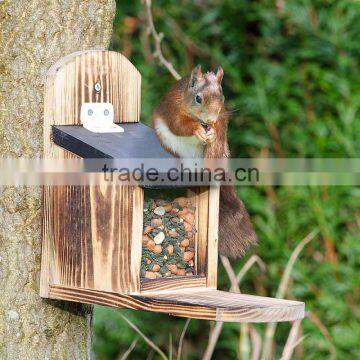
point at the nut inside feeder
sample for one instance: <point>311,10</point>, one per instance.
<point>168,242</point>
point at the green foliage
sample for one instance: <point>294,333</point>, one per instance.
<point>292,75</point>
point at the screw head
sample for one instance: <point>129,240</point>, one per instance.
<point>90,112</point>
<point>97,87</point>
<point>106,112</point>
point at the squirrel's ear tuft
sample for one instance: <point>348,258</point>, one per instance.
<point>219,74</point>
<point>196,76</point>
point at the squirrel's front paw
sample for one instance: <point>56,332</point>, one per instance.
<point>207,136</point>
<point>210,135</point>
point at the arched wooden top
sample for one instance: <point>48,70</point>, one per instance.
<point>71,80</point>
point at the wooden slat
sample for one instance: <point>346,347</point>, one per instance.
<point>47,258</point>
<point>212,246</point>
<point>49,261</point>
<point>199,197</point>
<point>203,220</point>
<point>193,196</point>
<point>173,283</point>
<point>200,304</point>
<point>137,208</point>
<point>111,235</point>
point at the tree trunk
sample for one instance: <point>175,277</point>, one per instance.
<point>33,35</point>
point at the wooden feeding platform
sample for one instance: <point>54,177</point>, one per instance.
<point>115,245</point>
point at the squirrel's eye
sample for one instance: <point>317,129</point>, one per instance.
<point>198,99</point>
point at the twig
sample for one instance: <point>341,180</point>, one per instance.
<point>319,324</point>
<point>256,344</point>
<point>291,340</point>
<point>254,259</point>
<point>213,339</point>
<point>130,349</point>
<point>244,342</point>
<point>231,274</point>
<point>150,354</point>
<point>243,345</point>
<point>157,41</point>
<point>186,40</point>
<point>170,347</point>
<point>147,340</point>
<point>284,283</point>
<point>244,328</point>
<point>299,342</point>
<point>182,336</point>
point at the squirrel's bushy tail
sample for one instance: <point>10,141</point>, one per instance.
<point>236,233</point>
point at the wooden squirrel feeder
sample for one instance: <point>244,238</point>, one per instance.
<point>92,235</point>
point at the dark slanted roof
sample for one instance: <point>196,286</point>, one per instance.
<point>118,150</point>
<point>137,141</point>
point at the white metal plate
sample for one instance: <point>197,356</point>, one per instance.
<point>99,118</point>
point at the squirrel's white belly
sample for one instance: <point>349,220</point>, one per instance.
<point>183,146</point>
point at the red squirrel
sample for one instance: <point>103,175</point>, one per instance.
<point>191,121</point>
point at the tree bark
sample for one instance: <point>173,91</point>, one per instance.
<point>34,34</point>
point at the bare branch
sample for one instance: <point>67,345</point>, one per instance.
<point>213,339</point>
<point>298,342</point>
<point>215,333</point>
<point>130,349</point>
<point>182,339</point>
<point>147,340</point>
<point>202,50</point>
<point>256,343</point>
<point>244,342</point>
<point>319,324</point>
<point>244,328</point>
<point>150,354</point>
<point>284,283</point>
<point>157,41</point>
<point>231,274</point>
<point>291,341</point>
<point>254,259</point>
<point>170,347</point>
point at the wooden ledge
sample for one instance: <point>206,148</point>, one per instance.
<point>204,304</point>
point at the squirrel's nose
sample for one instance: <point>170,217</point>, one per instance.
<point>211,118</point>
